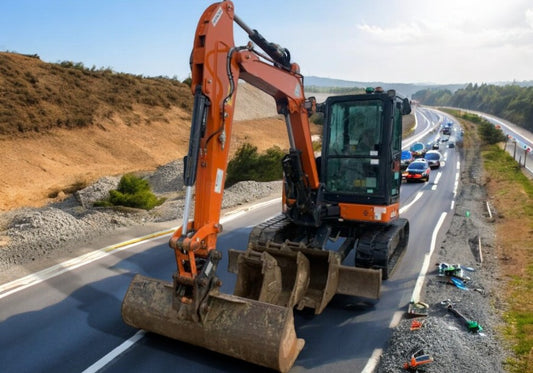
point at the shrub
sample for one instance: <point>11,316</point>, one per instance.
<point>490,134</point>
<point>132,191</point>
<point>247,164</point>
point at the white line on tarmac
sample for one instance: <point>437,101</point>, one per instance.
<point>115,352</point>
<point>437,178</point>
<point>425,266</point>
<point>373,361</point>
<point>71,264</point>
<point>406,207</point>
<point>396,319</point>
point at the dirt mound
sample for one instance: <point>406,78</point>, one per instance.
<point>128,124</point>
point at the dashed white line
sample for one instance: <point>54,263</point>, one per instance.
<point>396,319</point>
<point>437,178</point>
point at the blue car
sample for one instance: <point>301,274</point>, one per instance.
<point>407,158</point>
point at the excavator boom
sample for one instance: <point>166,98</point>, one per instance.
<point>352,195</point>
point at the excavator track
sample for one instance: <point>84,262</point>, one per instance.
<point>277,229</point>
<point>382,246</point>
<point>378,246</point>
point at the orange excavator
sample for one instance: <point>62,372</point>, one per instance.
<point>349,194</point>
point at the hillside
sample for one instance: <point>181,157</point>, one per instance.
<point>63,126</point>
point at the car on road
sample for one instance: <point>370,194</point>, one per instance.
<point>407,158</point>
<point>434,158</point>
<point>451,144</point>
<point>418,150</point>
<point>418,170</point>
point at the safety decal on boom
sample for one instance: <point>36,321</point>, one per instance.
<point>218,181</point>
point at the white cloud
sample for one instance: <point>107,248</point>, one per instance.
<point>403,33</point>
<point>529,17</point>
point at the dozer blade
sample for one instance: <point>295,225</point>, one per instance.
<point>256,332</point>
<point>300,277</point>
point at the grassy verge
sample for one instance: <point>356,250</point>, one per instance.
<point>511,194</point>
<point>408,125</point>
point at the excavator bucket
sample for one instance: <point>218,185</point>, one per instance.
<point>299,277</point>
<point>257,332</point>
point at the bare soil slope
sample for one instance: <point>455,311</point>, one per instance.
<point>63,126</point>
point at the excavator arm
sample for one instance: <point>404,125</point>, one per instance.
<point>275,274</point>
<point>217,65</point>
<point>192,309</point>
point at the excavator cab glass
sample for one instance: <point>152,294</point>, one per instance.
<point>358,159</point>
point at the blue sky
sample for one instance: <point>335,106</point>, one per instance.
<point>407,41</point>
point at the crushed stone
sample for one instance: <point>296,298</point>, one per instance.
<point>28,234</point>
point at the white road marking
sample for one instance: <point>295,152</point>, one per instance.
<point>406,207</point>
<point>71,264</point>
<point>115,352</point>
<point>425,266</point>
<point>437,178</point>
<point>373,361</point>
<point>396,319</point>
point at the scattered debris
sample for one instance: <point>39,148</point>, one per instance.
<point>458,283</point>
<point>455,270</point>
<point>471,325</point>
<point>417,324</point>
<point>419,357</point>
<point>417,309</point>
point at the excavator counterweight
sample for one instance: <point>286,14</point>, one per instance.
<point>348,195</point>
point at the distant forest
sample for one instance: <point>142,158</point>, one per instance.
<point>511,102</point>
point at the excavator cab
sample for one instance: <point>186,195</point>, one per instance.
<point>361,149</point>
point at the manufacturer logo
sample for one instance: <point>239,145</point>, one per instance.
<point>217,16</point>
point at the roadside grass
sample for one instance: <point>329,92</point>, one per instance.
<point>511,193</point>
<point>408,125</point>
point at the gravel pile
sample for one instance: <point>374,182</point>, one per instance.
<point>29,234</point>
<point>443,336</point>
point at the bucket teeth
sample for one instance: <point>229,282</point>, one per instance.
<point>257,332</point>
<point>299,277</point>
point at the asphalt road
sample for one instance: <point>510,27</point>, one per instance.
<point>69,322</point>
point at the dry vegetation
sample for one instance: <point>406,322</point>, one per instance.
<point>510,194</point>
<point>63,126</point>
<point>39,97</point>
